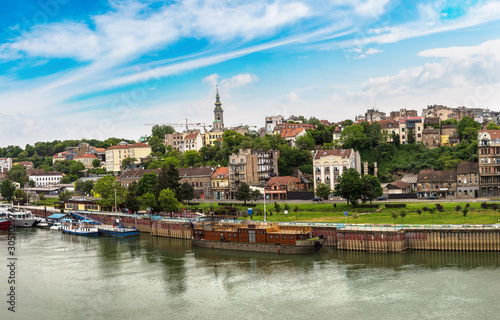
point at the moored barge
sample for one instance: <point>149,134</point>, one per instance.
<point>252,237</point>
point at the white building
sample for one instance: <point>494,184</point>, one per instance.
<point>329,165</point>
<point>5,164</point>
<point>46,178</point>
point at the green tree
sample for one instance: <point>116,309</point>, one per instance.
<point>79,186</point>
<point>65,195</point>
<point>132,202</point>
<point>88,185</point>
<point>191,158</point>
<point>296,209</point>
<point>394,215</point>
<point>18,174</point>
<point>492,126</point>
<point>186,192</point>
<point>128,162</point>
<point>353,137</point>
<point>7,189</point>
<point>277,208</point>
<point>403,215</point>
<point>305,142</point>
<point>350,186</point>
<point>20,194</point>
<point>106,187</point>
<point>167,201</point>
<point>149,201</point>
<point>160,131</point>
<point>356,216</point>
<point>371,187</point>
<point>323,191</point>
<point>147,183</point>
<point>96,163</point>
<point>243,193</point>
<point>467,122</point>
<point>31,184</point>
<point>76,167</point>
<point>169,179</point>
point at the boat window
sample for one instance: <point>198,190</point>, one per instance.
<point>216,233</point>
<point>270,237</point>
<point>284,237</point>
<point>291,237</point>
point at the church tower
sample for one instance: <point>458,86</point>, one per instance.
<point>218,114</point>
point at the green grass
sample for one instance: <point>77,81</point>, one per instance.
<point>327,213</point>
<point>48,202</point>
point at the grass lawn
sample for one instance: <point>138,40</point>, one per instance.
<point>48,202</point>
<point>312,212</point>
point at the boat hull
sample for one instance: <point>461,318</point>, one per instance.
<point>5,225</point>
<point>81,231</point>
<point>119,232</point>
<point>258,247</point>
<point>25,223</point>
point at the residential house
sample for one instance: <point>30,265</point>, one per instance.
<point>411,179</point>
<point>243,168</point>
<point>431,122</point>
<point>86,159</point>
<point>468,180</point>
<point>267,162</point>
<point>187,140</point>
<point>291,131</point>
<point>449,135</point>
<point>372,115</point>
<point>271,122</point>
<point>220,183</point>
<point>431,137</point>
<point>398,187</point>
<point>130,176</point>
<point>116,154</point>
<point>277,188</point>
<point>489,163</point>
<point>28,165</point>
<point>411,126</point>
<point>5,164</point>
<point>60,156</point>
<point>402,113</point>
<point>437,183</point>
<point>199,178</point>
<point>329,165</point>
<point>46,178</point>
<point>389,127</point>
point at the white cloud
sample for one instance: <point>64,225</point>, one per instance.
<point>238,81</point>
<point>371,51</point>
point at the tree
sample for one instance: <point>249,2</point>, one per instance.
<point>277,208</point>
<point>96,163</point>
<point>492,126</point>
<point>157,146</point>
<point>168,179</point>
<point>394,215</point>
<point>167,201</point>
<point>76,167</point>
<point>296,209</point>
<point>132,202</point>
<point>323,191</point>
<point>31,183</point>
<point>106,187</point>
<point>353,137</point>
<point>243,193</point>
<point>350,186</point>
<point>403,215</point>
<point>186,192</point>
<point>148,199</point>
<point>18,174</point>
<point>127,162</point>
<point>255,195</point>
<point>160,131</point>
<point>305,142</point>
<point>79,186</point>
<point>147,183</point>
<point>356,216</point>
<point>467,122</point>
<point>88,185</point>
<point>20,194</point>
<point>371,187</point>
<point>65,195</point>
<point>191,158</point>
<point>7,189</point>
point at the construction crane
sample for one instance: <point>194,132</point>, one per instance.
<point>187,124</point>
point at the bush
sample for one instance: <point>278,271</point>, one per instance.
<point>367,205</point>
<point>439,207</point>
<point>395,205</point>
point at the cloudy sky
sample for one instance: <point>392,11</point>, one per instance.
<point>96,69</point>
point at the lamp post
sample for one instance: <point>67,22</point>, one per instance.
<point>451,193</point>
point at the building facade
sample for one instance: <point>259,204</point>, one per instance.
<point>218,124</point>
<point>46,178</point>
<point>220,183</point>
<point>243,168</point>
<point>442,184</point>
<point>489,163</point>
<point>329,165</point>
<point>267,162</point>
<point>199,178</point>
<point>86,159</point>
<point>272,122</point>
<point>5,165</point>
<point>431,137</point>
<point>277,188</point>
<point>410,127</point>
<point>116,154</point>
<point>468,180</point>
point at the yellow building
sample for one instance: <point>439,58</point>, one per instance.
<point>445,140</point>
<point>211,137</point>
<point>220,183</point>
<point>116,154</point>
<point>86,159</point>
<point>81,205</point>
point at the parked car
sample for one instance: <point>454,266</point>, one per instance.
<point>125,210</point>
<point>432,198</point>
<point>317,199</point>
<point>382,198</point>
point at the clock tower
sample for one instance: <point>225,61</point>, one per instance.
<point>218,114</point>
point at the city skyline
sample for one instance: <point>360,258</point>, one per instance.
<point>96,69</point>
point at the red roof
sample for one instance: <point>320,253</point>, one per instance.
<point>221,172</point>
<point>288,133</point>
<point>85,155</point>
<point>282,181</point>
<point>191,136</point>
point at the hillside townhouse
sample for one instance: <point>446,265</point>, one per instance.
<point>46,178</point>
<point>402,113</point>
<point>442,184</point>
<point>468,180</point>
<point>329,165</point>
<point>372,115</point>
<point>185,141</point>
<point>220,183</point>
<point>489,163</point>
<point>243,168</point>
<point>431,137</point>
<point>411,126</point>
<point>291,131</point>
<point>116,154</point>
<point>86,159</point>
<point>5,165</point>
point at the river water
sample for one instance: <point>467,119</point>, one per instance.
<point>61,276</point>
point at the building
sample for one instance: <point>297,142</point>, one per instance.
<point>291,131</point>
<point>432,122</point>
<point>411,179</point>
<point>398,187</point>
<point>130,176</point>
<point>372,115</point>
<point>220,183</point>
<point>86,159</point>
<point>60,156</point>
<point>46,178</point>
<point>218,124</point>
<point>185,141</point>
<point>5,164</point>
<point>243,168</point>
<point>389,128</point>
<point>402,113</point>
<point>116,154</point>
<point>468,180</point>
<point>277,188</point>
<point>437,183</point>
<point>267,162</point>
<point>28,165</point>
<point>272,122</point>
<point>410,127</point>
<point>199,178</point>
<point>431,137</point>
<point>449,135</point>
<point>329,165</point>
<point>489,163</point>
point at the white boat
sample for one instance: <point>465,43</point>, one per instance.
<point>42,223</point>
<point>23,219</point>
<point>56,226</point>
<point>80,228</point>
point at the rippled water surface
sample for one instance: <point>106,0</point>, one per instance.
<point>62,276</point>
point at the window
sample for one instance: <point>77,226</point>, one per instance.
<point>284,237</point>
<point>270,237</point>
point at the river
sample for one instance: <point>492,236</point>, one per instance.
<point>61,276</point>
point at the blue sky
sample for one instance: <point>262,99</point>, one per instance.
<point>96,69</point>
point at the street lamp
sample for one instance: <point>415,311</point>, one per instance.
<point>451,193</point>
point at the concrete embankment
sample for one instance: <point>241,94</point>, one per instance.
<point>343,237</point>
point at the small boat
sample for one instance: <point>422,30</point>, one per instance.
<point>56,226</point>
<point>117,230</point>
<point>5,224</point>
<point>42,223</point>
<point>251,237</point>
<point>80,228</point>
